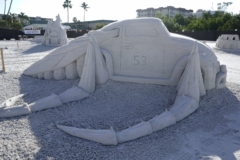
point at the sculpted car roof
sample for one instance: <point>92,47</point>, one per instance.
<point>136,20</point>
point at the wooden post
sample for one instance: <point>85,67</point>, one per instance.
<point>3,65</point>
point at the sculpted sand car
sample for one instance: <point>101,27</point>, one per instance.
<point>138,50</point>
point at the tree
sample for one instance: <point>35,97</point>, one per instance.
<point>78,25</point>
<point>67,4</point>
<point>178,18</point>
<point>223,6</point>
<point>99,26</point>
<point>159,15</point>
<point>9,7</point>
<point>16,25</point>
<point>206,15</point>
<point>8,20</point>
<point>5,6</point>
<point>189,19</point>
<point>3,23</point>
<point>218,14</point>
<point>23,18</point>
<point>14,17</point>
<point>169,22</point>
<point>85,7</point>
<point>75,20</point>
<point>220,20</point>
<point>231,24</point>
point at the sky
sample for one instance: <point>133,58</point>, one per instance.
<point>105,9</point>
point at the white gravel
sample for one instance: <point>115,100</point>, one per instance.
<point>212,132</point>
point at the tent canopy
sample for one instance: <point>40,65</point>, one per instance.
<point>43,26</point>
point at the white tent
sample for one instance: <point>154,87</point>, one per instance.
<point>43,26</point>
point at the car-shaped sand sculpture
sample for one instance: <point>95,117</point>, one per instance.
<point>136,50</point>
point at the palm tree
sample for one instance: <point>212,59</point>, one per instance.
<point>7,18</point>
<point>75,20</point>
<point>67,4</point>
<point>9,7</point>
<point>76,23</point>
<point>223,6</point>
<point>23,17</point>
<point>14,17</point>
<point>5,6</point>
<point>85,7</point>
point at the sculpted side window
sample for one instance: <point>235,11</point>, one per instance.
<point>138,30</point>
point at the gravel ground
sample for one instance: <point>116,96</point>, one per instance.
<point>212,132</point>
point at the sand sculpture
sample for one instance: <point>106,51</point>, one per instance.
<point>228,41</point>
<point>54,34</point>
<point>122,52</point>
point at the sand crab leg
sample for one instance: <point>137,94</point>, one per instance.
<point>190,88</point>
<point>11,101</point>
<point>72,94</point>
<point>56,64</point>
<point>94,68</point>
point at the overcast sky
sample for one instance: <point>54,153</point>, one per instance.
<point>105,9</point>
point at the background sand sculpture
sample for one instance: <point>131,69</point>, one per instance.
<point>54,34</point>
<point>228,41</point>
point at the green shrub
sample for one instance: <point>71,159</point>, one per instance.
<point>16,26</point>
<point>3,23</point>
<point>99,26</point>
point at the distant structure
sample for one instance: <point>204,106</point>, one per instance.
<point>55,34</point>
<point>37,23</point>
<point>228,41</point>
<point>88,25</point>
<point>169,10</point>
<point>199,13</point>
<point>39,20</point>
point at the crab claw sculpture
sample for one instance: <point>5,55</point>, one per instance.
<point>94,68</point>
<point>190,88</point>
<point>126,51</point>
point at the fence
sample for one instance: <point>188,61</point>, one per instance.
<point>207,35</point>
<point>70,34</point>
<point>200,35</point>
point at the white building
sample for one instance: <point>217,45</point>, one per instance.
<point>199,13</point>
<point>169,10</point>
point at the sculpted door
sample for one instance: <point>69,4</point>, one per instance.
<point>142,50</point>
